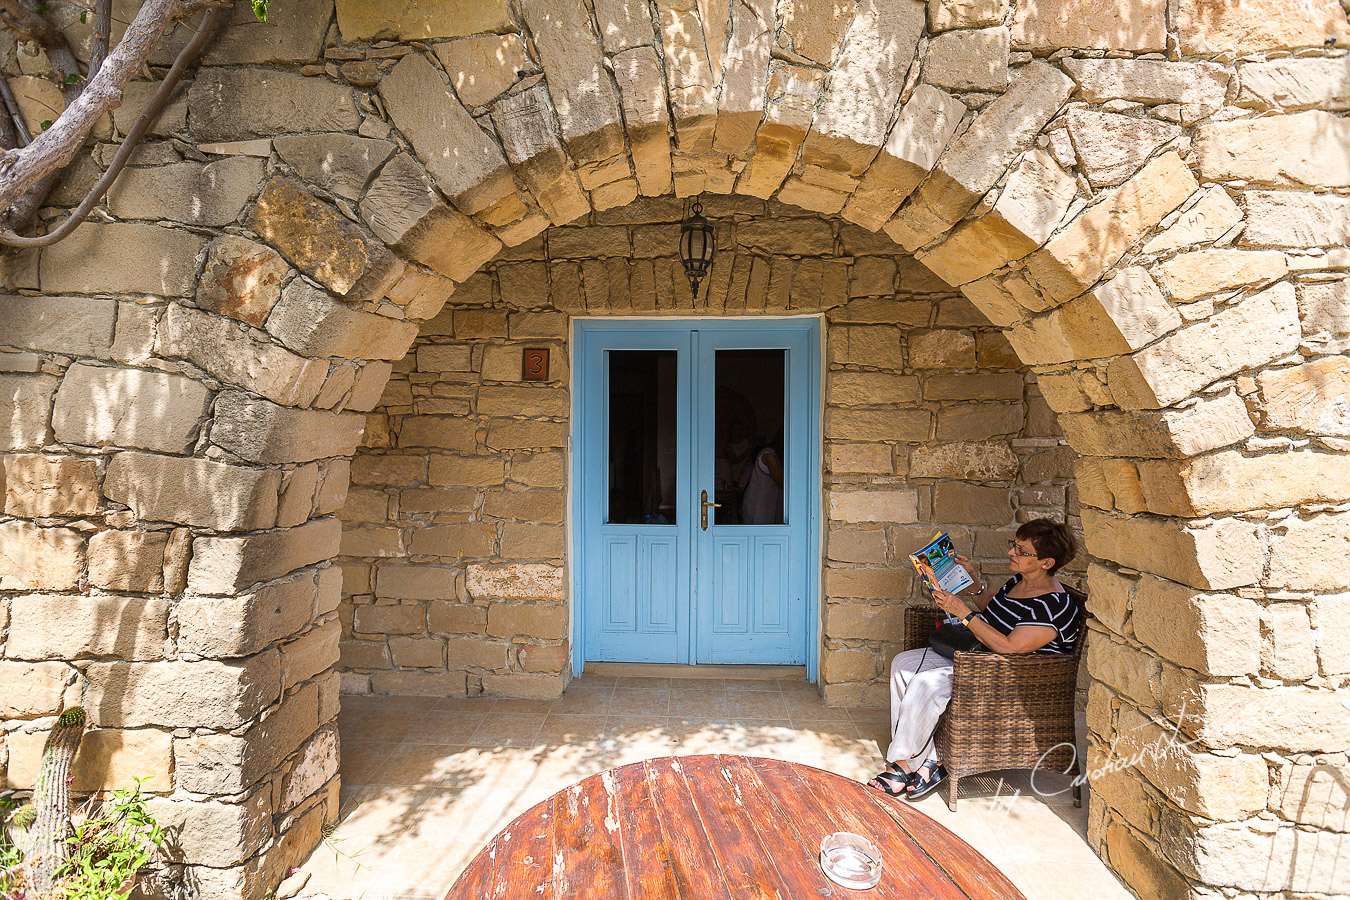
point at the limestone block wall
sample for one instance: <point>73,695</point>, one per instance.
<point>1150,199</point>
<point>454,547</point>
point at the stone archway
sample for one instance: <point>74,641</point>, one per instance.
<point>1155,217</point>
<point>463,481</point>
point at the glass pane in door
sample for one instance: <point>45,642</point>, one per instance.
<point>642,435</point>
<point>750,457</point>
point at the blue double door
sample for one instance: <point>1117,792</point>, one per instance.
<point>696,458</point>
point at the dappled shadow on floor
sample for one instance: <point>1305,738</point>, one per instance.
<point>426,781</point>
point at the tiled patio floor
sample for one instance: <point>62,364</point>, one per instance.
<point>426,782</point>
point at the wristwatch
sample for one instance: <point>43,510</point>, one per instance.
<point>966,620</point>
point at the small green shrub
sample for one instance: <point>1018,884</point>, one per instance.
<point>110,845</point>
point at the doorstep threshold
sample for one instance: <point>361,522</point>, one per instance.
<point>666,670</point>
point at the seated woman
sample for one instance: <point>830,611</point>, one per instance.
<point>1031,613</point>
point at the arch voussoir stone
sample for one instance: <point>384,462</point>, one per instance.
<point>977,159</point>
<point>855,110</point>
<point>925,125</point>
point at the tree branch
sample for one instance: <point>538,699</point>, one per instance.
<point>56,147</point>
<point>102,29</point>
<point>24,19</point>
<point>119,161</point>
<point>61,56</point>
<point>12,107</point>
<point>9,135</point>
<point>29,24</point>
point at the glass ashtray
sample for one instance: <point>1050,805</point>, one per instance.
<point>850,860</point>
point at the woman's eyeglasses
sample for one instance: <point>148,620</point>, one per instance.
<point>1018,551</point>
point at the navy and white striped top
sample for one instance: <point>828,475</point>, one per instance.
<point>1056,609</point>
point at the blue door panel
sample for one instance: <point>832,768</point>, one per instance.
<point>620,589</point>
<point>769,565</point>
<point>770,582</point>
<point>730,587</point>
<point>679,592</point>
<point>658,555</point>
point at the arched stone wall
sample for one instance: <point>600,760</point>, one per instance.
<point>461,486</point>
<point>1151,200</point>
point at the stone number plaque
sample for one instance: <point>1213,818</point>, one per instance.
<point>534,365</point>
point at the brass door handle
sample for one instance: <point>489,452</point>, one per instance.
<point>703,502</point>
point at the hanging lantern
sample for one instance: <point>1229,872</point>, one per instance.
<point>697,243</point>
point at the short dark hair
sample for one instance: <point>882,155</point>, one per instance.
<point>1052,540</point>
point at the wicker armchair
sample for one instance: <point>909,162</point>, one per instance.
<point>1007,712</point>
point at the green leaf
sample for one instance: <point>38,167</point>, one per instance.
<point>260,9</point>
<point>72,78</point>
<point>84,16</point>
<point>46,123</point>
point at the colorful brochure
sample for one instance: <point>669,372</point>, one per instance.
<point>938,566</point>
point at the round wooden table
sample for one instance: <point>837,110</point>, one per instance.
<point>719,828</point>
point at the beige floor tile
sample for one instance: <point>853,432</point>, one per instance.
<point>590,685</point>
<point>699,704</point>
<point>1049,787</point>
<point>704,685</point>
<point>633,738</point>
<point>362,759</point>
<point>466,704</point>
<point>835,728</point>
<point>648,703</point>
<point>871,716</point>
<point>765,734</point>
<point>422,764</point>
<point>879,725</point>
<point>477,813</point>
<point>809,709</point>
<point>488,766</point>
<point>347,790</point>
<point>426,869</point>
<point>582,703</point>
<point>388,701</point>
<point>342,868</point>
<point>382,813</point>
<point>564,765</point>
<point>559,728</point>
<point>445,728</point>
<point>856,767</point>
<point>1030,831</point>
<point>742,736</point>
<point>372,724</point>
<point>1067,882</point>
<point>507,730</point>
<point>756,705</point>
<point>416,811</point>
<point>514,707</point>
<point>756,685</point>
<point>971,825</point>
<point>623,683</point>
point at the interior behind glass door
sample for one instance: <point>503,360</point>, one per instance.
<point>750,460</point>
<point>642,437</point>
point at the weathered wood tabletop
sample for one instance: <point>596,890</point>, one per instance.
<point>718,828</point>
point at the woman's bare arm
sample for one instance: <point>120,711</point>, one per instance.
<point>1022,639</point>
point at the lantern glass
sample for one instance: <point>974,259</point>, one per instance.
<point>697,243</point>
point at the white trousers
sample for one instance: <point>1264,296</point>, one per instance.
<point>921,688</point>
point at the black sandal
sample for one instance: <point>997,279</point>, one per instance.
<point>922,785</point>
<point>893,782</point>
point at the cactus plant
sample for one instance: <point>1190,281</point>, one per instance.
<point>98,856</point>
<point>48,836</point>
